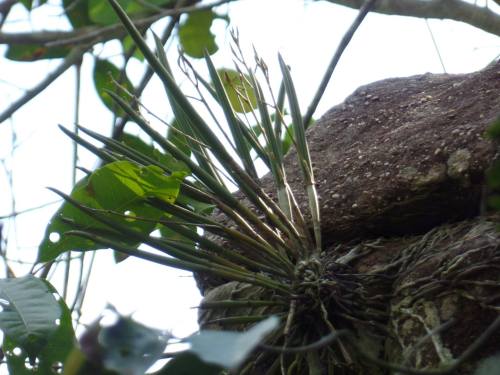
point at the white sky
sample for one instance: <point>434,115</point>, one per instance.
<point>306,34</point>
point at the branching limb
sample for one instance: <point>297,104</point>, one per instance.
<point>457,10</point>
<point>73,57</point>
<point>94,34</point>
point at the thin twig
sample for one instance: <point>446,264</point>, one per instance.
<point>336,57</point>
<point>95,34</point>
<point>17,213</point>
<point>72,58</point>
<point>120,125</point>
<point>435,45</point>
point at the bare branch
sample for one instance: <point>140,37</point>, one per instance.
<point>72,58</point>
<point>457,10</point>
<point>367,6</point>
<point>94,34</point>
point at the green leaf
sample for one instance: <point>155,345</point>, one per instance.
<point>238,89</point>
<point>77,12</point>
<point>34,322</point>
<point>494,201</point>
<point>27,3</point>
<point>120,187</point>
<point>30,5</point>
<point>131,348</point>
<point>493,175</point>
<point>166,160</point>
<point>493,130</point>
<point>100,12</point>
<point>78,364</point>
<point>177,137</point>
<point>230,349</point>
<point>174,236</point>
<point>188,364</point>
<point>106,75</point>
<point>128,44</point>
<point>33,52</point>
<point>195,36</point>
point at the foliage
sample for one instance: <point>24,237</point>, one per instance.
<point>37,326</point>
<point>493,175</point>
<point>94,22</point>
<point>140,189</point>
<point>161,195</point>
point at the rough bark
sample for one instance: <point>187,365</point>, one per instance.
<point>457,10</point>
<point>401,169</point>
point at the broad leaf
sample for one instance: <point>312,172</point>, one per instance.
<point>131,348</point>
<point>128,44</point>
<point>106,78</point>
<point>101,12</point>
<point>188,364</point>
<point>36,326</point>
<point>121,189</point>
<point>195,36</point>
<point>33,52</point>
<point>230,349</point>
<point>77,12</point>
<point>238,89</point>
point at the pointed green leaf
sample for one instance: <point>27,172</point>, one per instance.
<point>131,348</point>
<point>177,137</point>
<point>195,36</point>
<point>106,76</point>
<point>31,318</point>
<point>238,89</point>
<point>230,349</point>
<point>27,3</point>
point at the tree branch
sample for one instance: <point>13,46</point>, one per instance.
<point>94,34</point>
<point>5,7</point>
<point>457,10</point>
<point>344,42</point>
<point>72,58</point>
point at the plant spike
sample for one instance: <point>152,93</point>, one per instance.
<point>194,139</point>
<point>102,154</point>
<point>179,255</point>
<point>304,157</point>
<point>243,180</point>
<point>181,264</point>
<point>218,189</point>
<point>248,133</point>
<point>242,148</point>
